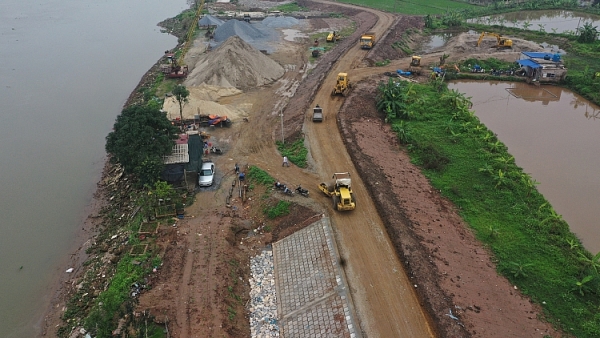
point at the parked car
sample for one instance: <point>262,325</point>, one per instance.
<point>207,174</point>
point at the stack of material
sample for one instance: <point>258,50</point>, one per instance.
<point>237,64</point>
<point>263,300</point>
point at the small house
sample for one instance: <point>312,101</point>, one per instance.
<point>542,67</point>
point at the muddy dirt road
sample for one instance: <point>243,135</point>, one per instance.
<point>381,290</point>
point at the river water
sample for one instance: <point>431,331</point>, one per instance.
<point>67,68</point>
<point>553,135</point>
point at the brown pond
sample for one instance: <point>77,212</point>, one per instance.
<point>554,136</point>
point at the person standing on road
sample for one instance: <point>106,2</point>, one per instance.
<point>237,169</point>
<point>285,162</point>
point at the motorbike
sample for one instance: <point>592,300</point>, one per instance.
<point>283,188</point>
<point>216,150</point>
<point>301,191</point>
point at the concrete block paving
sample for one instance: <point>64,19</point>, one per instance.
<point>313,299</point>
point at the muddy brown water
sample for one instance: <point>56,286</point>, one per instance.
<point>553,134</point>
<point>551,21</point>
<point>67,68</point>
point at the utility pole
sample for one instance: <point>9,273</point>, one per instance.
<point>281,115</point>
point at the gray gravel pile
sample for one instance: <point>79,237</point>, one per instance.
<point>280,21</point>
<point>263,299</point>
<point>209,20</point>
<point>244,30</point>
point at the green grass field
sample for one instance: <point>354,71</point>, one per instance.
<point>412,7</point>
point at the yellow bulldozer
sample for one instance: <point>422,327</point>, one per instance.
<point>502,42</point>
<point>340,190</point>
<point>415,65</point>
<point>342,85</point>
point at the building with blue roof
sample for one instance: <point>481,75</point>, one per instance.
<point>542,67</point>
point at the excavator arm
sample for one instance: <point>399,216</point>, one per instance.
<point>500,41</point>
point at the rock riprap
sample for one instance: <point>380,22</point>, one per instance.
<point>263,298</point>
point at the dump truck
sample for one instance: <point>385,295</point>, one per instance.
<point>342,85</point>
<point>367,41</point>
<point>340,190</point>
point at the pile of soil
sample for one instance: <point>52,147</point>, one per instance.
<point>235,64</point>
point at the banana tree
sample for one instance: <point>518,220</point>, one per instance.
<point>501,178</point>
<point>592,262</point>
<point>581,287</point>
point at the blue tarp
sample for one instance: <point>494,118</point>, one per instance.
<point>529,63</point>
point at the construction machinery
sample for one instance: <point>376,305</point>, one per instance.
<point>415,65</point>
<point>172,69</point>
<point>175,68</point>
<point>342,85</point>
<point>502,42</point>
<point>333,37</point>
<point>367,40</point>
<point>340,190</point>
<point>317,114</point>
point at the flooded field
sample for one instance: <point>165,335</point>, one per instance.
<point>436,41</point>
<point>550,21</point>
<point>553,135</point>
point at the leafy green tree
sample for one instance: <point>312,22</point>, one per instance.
<point>181,95</point>
<point>141,136</point>
<point>587,33</point>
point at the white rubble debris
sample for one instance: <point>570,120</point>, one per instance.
<point>263,300</point>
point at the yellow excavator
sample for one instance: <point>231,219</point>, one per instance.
<point>175,67</point>
<point>502,41</point>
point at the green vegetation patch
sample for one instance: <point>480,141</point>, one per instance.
<point>289,8</point>
<point>282,208</point>
<point>295,151</point>
<point>532,244</point>
<point>412,7</point>
<point>260,176</point>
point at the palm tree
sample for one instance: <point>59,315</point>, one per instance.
<point>526,25</point>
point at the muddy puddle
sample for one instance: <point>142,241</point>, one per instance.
<point>550,21</point>
<point>436,41</point>
<point>553,135</point>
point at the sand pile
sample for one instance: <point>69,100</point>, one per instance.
<point>237,64</point>
<point>201,102</point>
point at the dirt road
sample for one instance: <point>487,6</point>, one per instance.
<point>383,295</point>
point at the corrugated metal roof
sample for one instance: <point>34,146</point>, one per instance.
<point>538,55</point>
<point>178,155</point>
<point>529,63</point>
